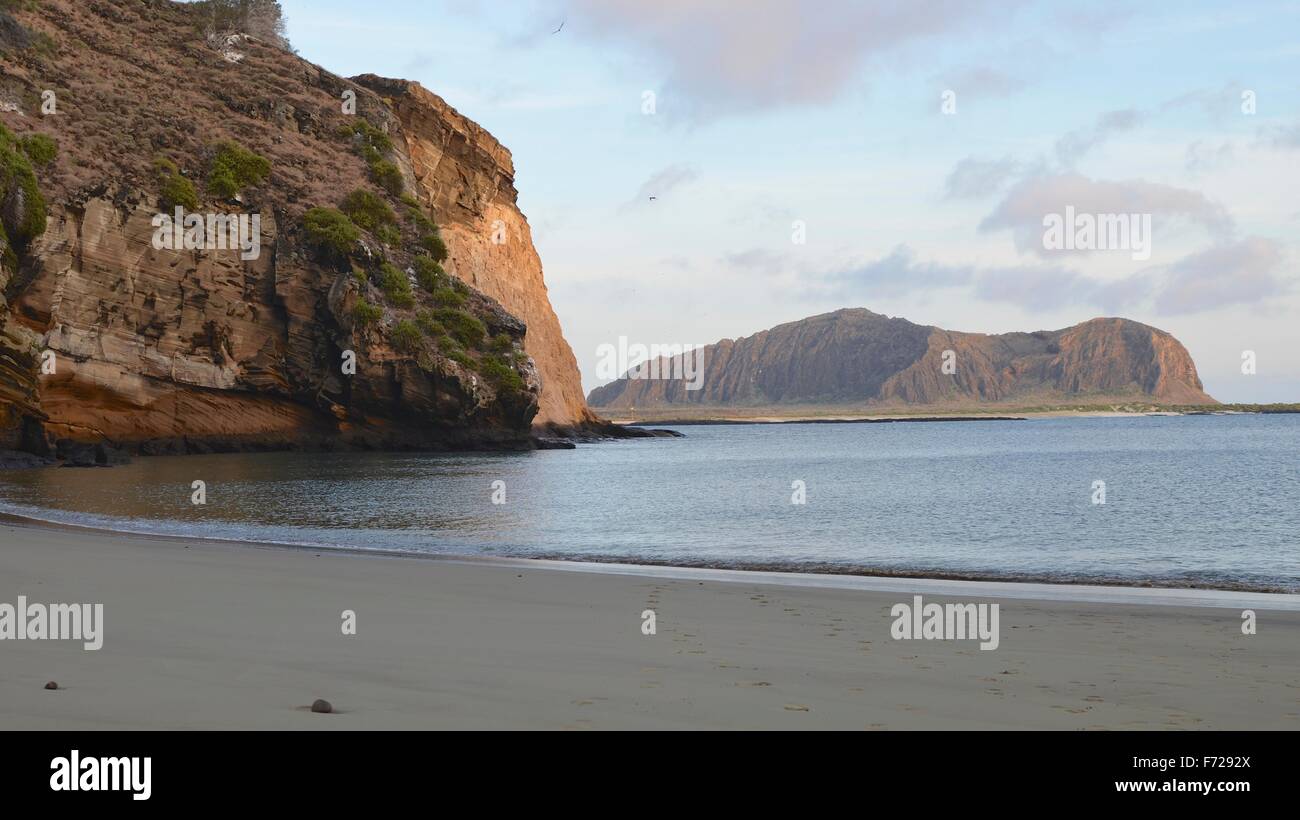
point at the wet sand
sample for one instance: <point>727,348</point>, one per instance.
<point>214,635</point>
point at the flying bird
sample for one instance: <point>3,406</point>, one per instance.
<point>561,28</point>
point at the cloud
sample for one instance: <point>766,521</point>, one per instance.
<point>1051,287</point>
<point>1237,273</point>
<point>660,184</point>
<point>1215,103</point>
<point>975,178</point>
<point>758,261</point>
<point>896,274</point>
<point>1202,157</point>
<point>1242,272</point>
<point>980,81</point>
<point>1033,287</point>
<point>1282,136</point>
<point>1023,208</point>
<point>735,56</point>
<point>1071,147</point>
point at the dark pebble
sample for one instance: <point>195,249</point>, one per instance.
<point>51,685</point>
<point>321,706</point>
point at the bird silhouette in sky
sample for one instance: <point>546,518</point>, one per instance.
<point>561,28</point>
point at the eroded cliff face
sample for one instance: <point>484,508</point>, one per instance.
<point>856,357</point>
<point>468,177</point>
<point>167,351</point>
<point>163,350</point>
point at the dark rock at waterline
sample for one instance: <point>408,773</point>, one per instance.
<point>82,454</point>
<point>323,707</point>
<point>553,444</point>
<point>15,460</point>
<point>52,685</point>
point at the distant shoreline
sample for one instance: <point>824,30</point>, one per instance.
<point>864,420</point>
<point>805,415</point>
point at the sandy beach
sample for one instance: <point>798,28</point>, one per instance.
<point>217,636</point>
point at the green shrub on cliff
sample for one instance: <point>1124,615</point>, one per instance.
<point>374,146</point>
<point>18,184</point>
<point>365,314</point>
<point>432,242</point>
<point>387,176</point>
<point>448,298</point>
<point>40,149</point>
<point>406,337</point>
<point>180,191</point>
<point>331,230</point>
<point>395,285</point>
<point>499,372</point>
<point>174,189</point>
<point>235,168</point>
<point>453,351</point>
<point>371,142</point>
<point>428,325</point>
<point>422,222</point>
<point>465,328</point>
<point>367,210</point>
<point>503,344</point>
<point>428,273</point>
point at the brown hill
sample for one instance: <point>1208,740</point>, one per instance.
<point>168,350</point>
<point>856,357</point>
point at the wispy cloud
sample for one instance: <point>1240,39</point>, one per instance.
<point>973,178</point>
<point>1023,208</point>
<point>979,81</point>
<point>1072,147</point>
<point>731,56</point>
<point>1242,272</point>
<point>660,184</point>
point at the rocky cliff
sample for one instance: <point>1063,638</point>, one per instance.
<point>469,179</point>
<point>855,357</point>
<point>376,217</point>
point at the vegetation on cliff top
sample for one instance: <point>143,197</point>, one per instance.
<point>330,231</point>
<point>174,189</point>
<point>261,18</point>
<point>367,211</point>
<point>234,168</point>
<point>375,147</point>
<point>21,201</point>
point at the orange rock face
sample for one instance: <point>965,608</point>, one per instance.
<point>173,350</point>
<point>468,178</point>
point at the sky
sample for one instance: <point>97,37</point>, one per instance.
<point>899,156</point>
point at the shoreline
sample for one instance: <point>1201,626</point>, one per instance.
<point>662,416</point>
<point>200,635</point>
<point>1026,587</point>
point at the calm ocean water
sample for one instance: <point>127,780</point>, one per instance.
<point>1193,500</point>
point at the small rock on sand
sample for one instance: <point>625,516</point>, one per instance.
<point>322,706</point>
<point>51,685</point>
